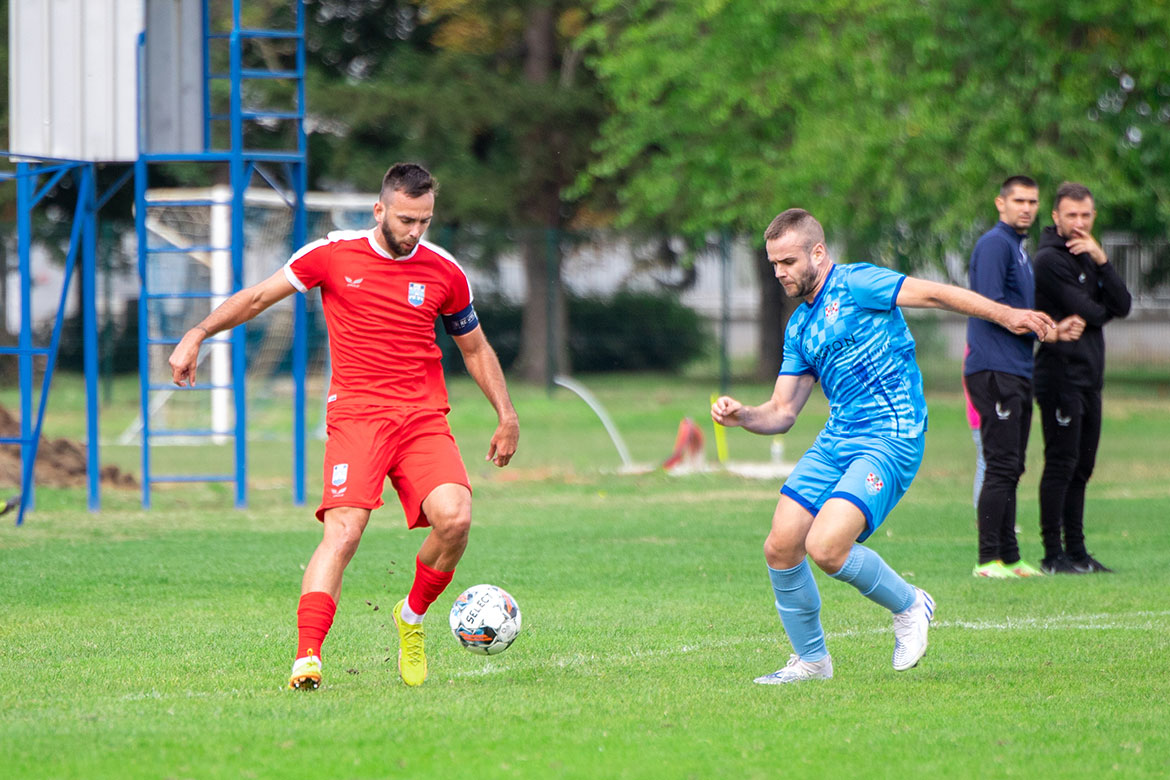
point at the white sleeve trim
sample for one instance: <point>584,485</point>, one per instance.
<point>443,253</point>
<point>292,278</point>
<point>336,235</point>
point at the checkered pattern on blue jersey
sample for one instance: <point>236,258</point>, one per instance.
<point>854,340</point>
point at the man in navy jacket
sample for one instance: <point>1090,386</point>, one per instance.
<point>1073,277</point>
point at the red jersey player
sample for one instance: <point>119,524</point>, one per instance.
<point>382,290</point>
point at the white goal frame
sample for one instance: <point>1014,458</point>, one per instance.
<point>343,210</point>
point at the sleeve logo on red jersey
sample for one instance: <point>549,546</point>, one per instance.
<point>416,294</point>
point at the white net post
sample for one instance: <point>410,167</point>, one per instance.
<point>220,348</point>
<point>200,223</point>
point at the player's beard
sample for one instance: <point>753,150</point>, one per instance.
<point>397,248</point>
<point>805,285</point>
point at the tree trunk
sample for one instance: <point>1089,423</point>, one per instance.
<point>775,309</point>
<point>538,361</point>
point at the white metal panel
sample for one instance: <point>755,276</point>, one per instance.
<point>72,69</point>
<point>173,76</point>
<point>65,85</point>
<point>131,21</point>
<point>27,57</point>
<point>96,107</point>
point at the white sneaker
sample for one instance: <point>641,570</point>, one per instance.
<point>797,671</point>
<point>910,627</point>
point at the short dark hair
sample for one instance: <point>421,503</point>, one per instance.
<point>411,179</point>
<point>797,220</point>
<point>1019,180</point>
<point>1071,190</point>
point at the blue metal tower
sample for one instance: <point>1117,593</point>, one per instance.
<point>30,191</point>
<point>53,137</point>
<point>282,169</point>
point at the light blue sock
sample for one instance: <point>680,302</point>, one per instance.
<point>865,570</point>
<point>799,603</point>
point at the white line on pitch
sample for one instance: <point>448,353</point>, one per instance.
<point>1098,622</point>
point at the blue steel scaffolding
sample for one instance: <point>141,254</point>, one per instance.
<point>82,241</point>
<point>243,165</point>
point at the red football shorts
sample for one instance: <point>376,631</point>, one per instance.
<point>366,444</point>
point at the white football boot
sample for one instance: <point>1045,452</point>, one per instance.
<point>798,671</point>
<point>910,627</point>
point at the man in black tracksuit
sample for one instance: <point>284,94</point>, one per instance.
<point>1073,276</point>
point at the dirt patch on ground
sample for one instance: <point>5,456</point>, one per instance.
<point>60,462</point>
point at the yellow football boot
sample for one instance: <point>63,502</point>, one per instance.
<point>412,659</point>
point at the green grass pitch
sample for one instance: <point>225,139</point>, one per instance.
<point>157,644</point>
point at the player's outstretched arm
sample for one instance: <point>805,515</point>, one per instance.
<point>236,310</point>
<point>923,294</point>
<point>776,415</point>
<point>484,367</point>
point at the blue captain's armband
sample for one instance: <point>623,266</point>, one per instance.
<point>461,322</point>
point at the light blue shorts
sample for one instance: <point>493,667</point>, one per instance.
<point>871,472</point>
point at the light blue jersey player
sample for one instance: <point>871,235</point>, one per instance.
<point>849,335</point>
<point>853,339</point>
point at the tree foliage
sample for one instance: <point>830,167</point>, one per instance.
<point>490,95</point>
<point>444,82</point>
<point>894,122</point>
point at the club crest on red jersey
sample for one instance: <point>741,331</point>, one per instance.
<point>416,294</point>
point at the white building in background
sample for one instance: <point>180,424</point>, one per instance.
<point>613,262</point>
<point>601,267</point>
<point>47,278</point>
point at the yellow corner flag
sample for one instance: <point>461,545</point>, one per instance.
<point>720,435</point>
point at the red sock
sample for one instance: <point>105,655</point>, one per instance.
<point>428,585</point>
<point>314,617</point>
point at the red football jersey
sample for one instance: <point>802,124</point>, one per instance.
<point>381,312</point>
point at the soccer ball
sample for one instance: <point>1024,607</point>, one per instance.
<point>485,619</point>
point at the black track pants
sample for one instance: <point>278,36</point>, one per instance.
<point>1004,403</point>
<point>1071,421</point>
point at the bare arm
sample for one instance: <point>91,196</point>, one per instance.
<point>776,415</point>
<point>236,310</point>
<point>484,367</point>
<point>922,294</point>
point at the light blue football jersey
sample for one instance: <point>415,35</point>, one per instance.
<point>854,340</point>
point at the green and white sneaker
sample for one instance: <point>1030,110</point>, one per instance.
<point>994,570</point>
<point>1022,568</point>
<point>306,674</point>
